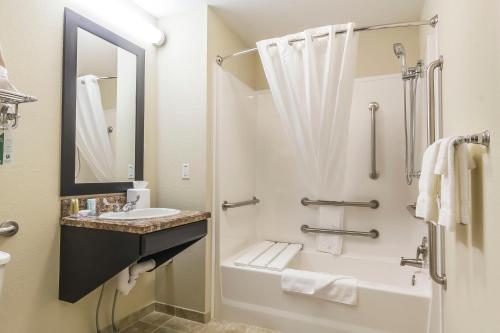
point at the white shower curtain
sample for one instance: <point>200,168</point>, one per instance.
<point>311,83</point>
<point>92,139</point>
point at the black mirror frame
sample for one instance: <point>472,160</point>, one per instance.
<point>73,21</point>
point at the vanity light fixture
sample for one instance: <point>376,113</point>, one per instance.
<point>159,38</point>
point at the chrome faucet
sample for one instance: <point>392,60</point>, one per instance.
<point>130,205</point>
<point>421,259</point>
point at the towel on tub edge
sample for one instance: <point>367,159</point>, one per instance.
<point>334,288</point>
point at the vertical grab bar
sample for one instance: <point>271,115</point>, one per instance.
<point>431,108</point>
<point>431,137</point>
<point>372,107</point>
<point>433,271</point>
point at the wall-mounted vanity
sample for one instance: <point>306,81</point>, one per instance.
<point>95,249</point>
<point>102,153</point>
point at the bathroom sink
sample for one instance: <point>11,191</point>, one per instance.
<point>143,213</point>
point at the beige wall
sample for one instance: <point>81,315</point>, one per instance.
<point>468,34</point>
<point>31,34</point>
<point>182,137</point>
<point>222,41</point>
<point>186,100</point>
<point>375,54</point>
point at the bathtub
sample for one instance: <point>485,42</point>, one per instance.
<point>388,301</point>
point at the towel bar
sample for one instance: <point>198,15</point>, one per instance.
<point>10,98</point>
<point>482,138</point>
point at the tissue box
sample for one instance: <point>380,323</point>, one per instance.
<point>144,201</point>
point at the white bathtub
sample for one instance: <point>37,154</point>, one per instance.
<point>387,301</point>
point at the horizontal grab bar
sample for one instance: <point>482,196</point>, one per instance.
<point>373,204</point>
<point>226,205</point>
<point>372,233</point>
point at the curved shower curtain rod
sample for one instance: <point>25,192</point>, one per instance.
<point>431,22</point>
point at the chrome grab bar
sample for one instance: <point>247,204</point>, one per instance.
<point>372,233</point>
<point>433,258</point>
<point>9,228</point>
<point>372,107</point>
<point>226,205</point>
<point>431,108</point>
<point>373,204</point>
<point>431,137</point>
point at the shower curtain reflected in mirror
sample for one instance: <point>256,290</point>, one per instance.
<point>92,140</point>
<point>311,82</point>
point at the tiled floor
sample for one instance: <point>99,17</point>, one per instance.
<point>157,322</point>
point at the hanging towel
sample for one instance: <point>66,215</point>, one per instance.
<point>334,288</point>
<point>465,164</point>
<point>454,165</point>
<point>445,166</point>
<point>427,202</point>
<point>330,218</point>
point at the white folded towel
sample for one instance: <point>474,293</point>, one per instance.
<point>427,201</point>
<point>445,166</point>
<point>334,288</point>
<point>330,218</point>
<point>465,164</point>
<point>454,165</point>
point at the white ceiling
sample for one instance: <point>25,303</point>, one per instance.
<point>254,20</point>
<point>164,8</point>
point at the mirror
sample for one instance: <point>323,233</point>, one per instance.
<point>103,110</point>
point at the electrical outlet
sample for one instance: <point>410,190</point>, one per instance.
<point>185,170</point>
<point>131,171</point>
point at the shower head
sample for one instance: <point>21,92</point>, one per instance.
<point>400,52</point>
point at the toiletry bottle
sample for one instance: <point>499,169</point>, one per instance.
<point>91,206</point>
<point>74,207</point>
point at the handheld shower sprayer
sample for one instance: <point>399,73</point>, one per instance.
<point>400,52</point>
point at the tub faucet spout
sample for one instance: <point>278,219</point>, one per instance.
<point>414,262</point>
<point>421,259</point>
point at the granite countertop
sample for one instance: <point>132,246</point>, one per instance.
<point>139,226</point>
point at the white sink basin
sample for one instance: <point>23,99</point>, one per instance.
<point>4,259</point>
<point>137,214</point>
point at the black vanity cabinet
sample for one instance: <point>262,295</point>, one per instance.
<point>89,257</point>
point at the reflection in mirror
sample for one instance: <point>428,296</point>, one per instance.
<point>105,111</point>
